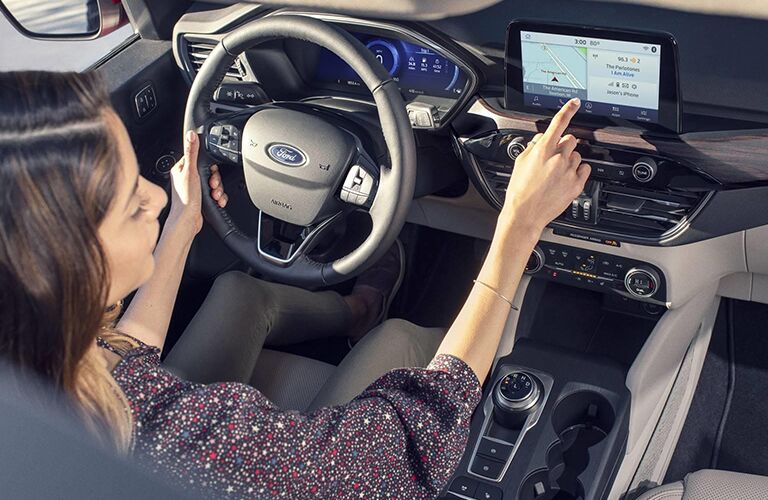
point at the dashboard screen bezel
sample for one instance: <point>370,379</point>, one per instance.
<point>670,103</point>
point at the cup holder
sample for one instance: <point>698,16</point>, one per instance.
<point>581,421</point>
<point>539,486</point>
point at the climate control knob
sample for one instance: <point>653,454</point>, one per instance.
<point>644,169</point>
<point>515,148</point>
<point>535,261</point>
<point>642,282</point>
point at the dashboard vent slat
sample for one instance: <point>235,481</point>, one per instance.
<point>199,52</point>
<point>650,213</point>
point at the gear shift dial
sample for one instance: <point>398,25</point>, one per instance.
<point>514,396</point>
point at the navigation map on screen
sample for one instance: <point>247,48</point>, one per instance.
<point>611,77</point>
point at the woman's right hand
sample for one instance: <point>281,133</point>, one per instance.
<point>217,187</point>
<point>548,175</point>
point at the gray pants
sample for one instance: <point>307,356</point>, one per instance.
<point>241,315</point>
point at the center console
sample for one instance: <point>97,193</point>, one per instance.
<point>598,271</point>
<point>552,425</point>
<point>634,196</point>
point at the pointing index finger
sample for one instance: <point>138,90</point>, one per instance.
<point>561,121</point>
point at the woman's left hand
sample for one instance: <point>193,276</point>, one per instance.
<point>186,203</point>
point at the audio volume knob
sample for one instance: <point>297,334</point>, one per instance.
<point>515,148</point>
<point>642,282</point>
<point>644,169</point>
<point>535,261</point>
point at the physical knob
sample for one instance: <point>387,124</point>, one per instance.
<point>515,148</point>
<point>644,169</point>
<point>642,282</point>
<point>535,261</point>
<point>517,392</point>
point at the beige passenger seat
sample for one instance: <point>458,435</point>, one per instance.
<point>712,485</point>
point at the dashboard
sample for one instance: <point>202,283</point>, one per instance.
<point>661,176</point>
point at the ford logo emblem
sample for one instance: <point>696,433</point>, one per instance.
<point>287,155</point>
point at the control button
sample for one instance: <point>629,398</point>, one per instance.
<point>494,449</point>
<point>642,282</point>
<point>535,261</point>
<point>515,148</point>
<point>539,489</point>
<point>422,115</point>
<point>562,258</point>
<point>165,163</point>
<point>575,209</point>
<point>145,101</point>
<point>488,492</point>
<point>644,169</point>
<point>357,187</point>
<point>244,93</point>
<point>463,486</point>
<point>587,209</point>
<point>486,467</point>
<point>588,264</point>
<point>607,269</point>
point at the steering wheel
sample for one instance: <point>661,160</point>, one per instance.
<point>304,165</point>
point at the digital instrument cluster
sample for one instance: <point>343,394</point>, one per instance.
<point>417,69</point>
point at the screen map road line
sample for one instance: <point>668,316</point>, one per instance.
<point>564,68</point>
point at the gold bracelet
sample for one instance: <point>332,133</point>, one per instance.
<point>489,287</point>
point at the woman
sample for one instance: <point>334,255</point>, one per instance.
<point>78,226</point>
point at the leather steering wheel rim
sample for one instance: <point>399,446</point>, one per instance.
<point>396,180</point>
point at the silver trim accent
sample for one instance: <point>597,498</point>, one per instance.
<point>650,272</point>
<point>517,141</point>
<point>648,162</point>
<point>547,381</point>
<point>303,247</point>
<point>537,251</point>
<point>522,404</point>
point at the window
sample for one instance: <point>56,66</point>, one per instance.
<point>17,52</point>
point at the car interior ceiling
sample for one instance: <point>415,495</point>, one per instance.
<point>642,309</point>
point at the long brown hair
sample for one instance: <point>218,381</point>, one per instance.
<point>59,167</point>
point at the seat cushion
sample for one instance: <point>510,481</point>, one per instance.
<point>712,485</point>
<point>290,381</point>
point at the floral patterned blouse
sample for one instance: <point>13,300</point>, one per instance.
<point>402,438</point>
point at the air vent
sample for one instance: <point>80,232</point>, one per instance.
<point>643,212</point>
<point>497,176</point>
<point>199,52</point>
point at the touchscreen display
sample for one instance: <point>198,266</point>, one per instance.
<point>613,78</point>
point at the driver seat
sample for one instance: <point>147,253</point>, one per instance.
<point>290,381</point>
<point>712,485</point>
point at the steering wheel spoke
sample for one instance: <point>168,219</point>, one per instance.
<point>284,247</point>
